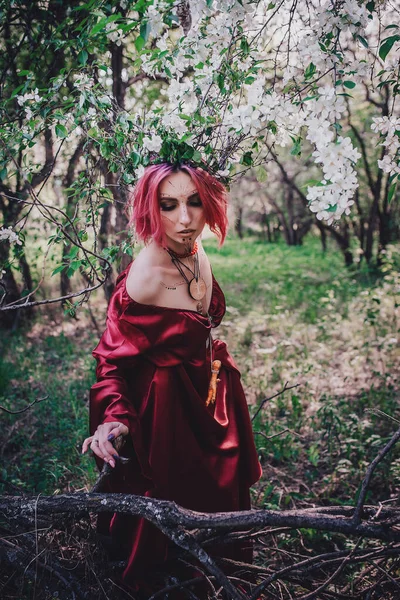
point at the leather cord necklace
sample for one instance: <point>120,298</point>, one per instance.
<point>196,284</point>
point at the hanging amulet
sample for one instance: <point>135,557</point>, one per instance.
<point>197,288</point>
<point>212,388</point>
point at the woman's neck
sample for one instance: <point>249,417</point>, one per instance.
<point>162,257</point>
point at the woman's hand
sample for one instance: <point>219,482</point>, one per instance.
<point>100,442</point>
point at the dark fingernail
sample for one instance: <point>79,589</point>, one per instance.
<point>110,437</point>
<point>116,456</point>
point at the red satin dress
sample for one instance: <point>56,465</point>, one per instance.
<point>153,372</point>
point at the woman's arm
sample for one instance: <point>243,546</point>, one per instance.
<point>111,408</point>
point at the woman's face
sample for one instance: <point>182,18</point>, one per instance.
<point>182,213</point>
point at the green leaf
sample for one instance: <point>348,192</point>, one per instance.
<point>310,71</point>
<point>16,91</point>
<point>73,252</point>
<point>392,190</point>
<point>135,157</point>
<point>99,26</point>
<point>61,131</point>
<point>82,57</point>
<point>145,29</point>
<point>247,159</point>
<point>220,82</point>
<point>196,156</point>
<point>349,84</point>
<point>363,41</point>
<point>370,5</point>
<point>58,270</point>
<point>244,45</point>
<point>140,43</point>
<point>261,174</point>
<point>387,45</point>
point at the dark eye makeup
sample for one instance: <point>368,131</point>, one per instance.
<point>168,204</point>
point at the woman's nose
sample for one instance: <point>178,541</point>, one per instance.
<point>184,216</point>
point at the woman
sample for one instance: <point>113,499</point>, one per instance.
<point>154,369</point>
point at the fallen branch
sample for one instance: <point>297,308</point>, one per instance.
<point>165,514</point>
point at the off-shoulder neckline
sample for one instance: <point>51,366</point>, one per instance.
<point>173,308</point>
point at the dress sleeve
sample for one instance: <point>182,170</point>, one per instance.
<point>110,398</point>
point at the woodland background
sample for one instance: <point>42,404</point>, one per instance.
<point>312,307</point>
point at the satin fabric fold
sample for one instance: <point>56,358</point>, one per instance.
<point>153,371</point>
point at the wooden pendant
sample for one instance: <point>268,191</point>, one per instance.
<point>197,288</point>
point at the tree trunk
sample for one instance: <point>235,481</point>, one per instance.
<point>239,222</point>
<point>323,236</point>
<point>9,290</point>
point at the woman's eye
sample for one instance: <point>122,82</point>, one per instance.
<point>166,207</point>
<point>196,202</point>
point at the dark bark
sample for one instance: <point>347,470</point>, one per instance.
<point>169,515</point>
<point>118,88</point>
<point>239,222</point>
<point>375,185</point>
<point>9,290</point>
<point>111,180</point>
<point>266,225</point>
<point>70,208</point>
<point>323,236</point>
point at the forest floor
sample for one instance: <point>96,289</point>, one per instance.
<point>295,317</point>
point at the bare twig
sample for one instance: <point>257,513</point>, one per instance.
<point>285,389</point>
<point>370,470</point>
<point>22,410</point>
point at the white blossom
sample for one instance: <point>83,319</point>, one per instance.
<point>388,165</point>
<point>156,20</point>
<point>6,233</point>
<point>139,171</point>
<point>173,122</point>
<point>83,82</point>
<point>388,127</point>
<point>152,144</point>
<point>114,34</point>
<point>29,96</point>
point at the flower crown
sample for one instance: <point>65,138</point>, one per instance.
<point>178,153</point>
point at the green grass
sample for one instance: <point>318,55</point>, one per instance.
<point>270,277</point>
<point>41,446</point>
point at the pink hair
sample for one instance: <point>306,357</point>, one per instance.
<point>145,206</point>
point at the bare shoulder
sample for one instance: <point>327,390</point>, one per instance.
<point>143,279</point>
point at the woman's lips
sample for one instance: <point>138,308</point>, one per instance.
<point>185,231</point>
